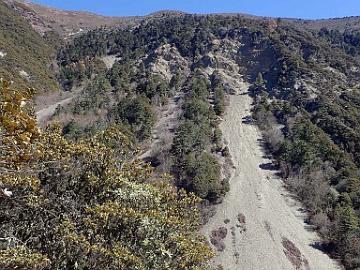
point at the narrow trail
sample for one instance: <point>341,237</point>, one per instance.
<point>163,131</point>
<point>47,105</point>
<point>265,228</point>
<point>45,113</point>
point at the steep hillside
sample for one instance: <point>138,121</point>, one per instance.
<point>87,204</point>
<point>300,75</point>
<point>313,97</point>
<point>338,24</point>
<point>265,226</point>
<point>66,23</point>
<point>166,83</point>
<point>25,56</point>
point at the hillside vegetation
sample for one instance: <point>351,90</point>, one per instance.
<point>25,56</point>
<point>309,80</point>
<point>65,23</point>
<point>86,205</point>
<point>305,83</point>
<point>310,118</point>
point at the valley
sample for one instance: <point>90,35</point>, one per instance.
<point>258,214</point>
<point>178,141</point>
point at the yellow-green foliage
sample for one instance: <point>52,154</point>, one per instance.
<point>25,51</point>
<point>21,258</point>
<point>93,208</point>
<point>19,137</point>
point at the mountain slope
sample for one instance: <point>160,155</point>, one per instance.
<point>25,56</point>
<point>259,215</point>
<point>339,24</point>
<point>298,75</point>
<point>66,23</point>
<point>305,88</point>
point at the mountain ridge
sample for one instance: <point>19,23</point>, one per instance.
<point>72,22</point>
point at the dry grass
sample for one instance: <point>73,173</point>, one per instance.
<point>66,23</point>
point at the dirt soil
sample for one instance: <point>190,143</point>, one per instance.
<point>164,129</point>
<point>44,114</point>
<point>266,225</point>
<point>46,105</point>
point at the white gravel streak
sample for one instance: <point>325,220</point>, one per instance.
<point>270,212</point>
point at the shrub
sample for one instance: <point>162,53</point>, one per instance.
<point>138,113</point>
<point>86,204</point>
<point>201,175</point>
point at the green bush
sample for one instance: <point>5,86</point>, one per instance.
<point>201,175</point>
<point>138,113</point>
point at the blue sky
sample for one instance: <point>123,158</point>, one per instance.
<point>307,9</point>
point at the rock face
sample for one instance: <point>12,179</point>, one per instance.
<point>167,61</point>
